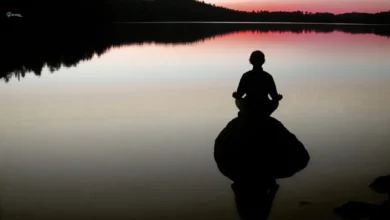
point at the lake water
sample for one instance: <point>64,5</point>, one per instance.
<point>130,134</point>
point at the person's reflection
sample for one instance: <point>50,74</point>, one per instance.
<point>254,200</point>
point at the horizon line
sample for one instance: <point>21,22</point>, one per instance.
<point>245,22</point>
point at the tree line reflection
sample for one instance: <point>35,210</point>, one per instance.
<point>28,49</point>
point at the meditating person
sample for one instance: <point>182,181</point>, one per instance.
<point>256,85</point>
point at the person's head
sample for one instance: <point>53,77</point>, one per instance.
<point>257,58</point>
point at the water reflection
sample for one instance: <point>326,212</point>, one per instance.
<point>1,209</point>
<point>119,138</point>
<point>30,49</point>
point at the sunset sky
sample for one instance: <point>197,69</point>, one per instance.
<point>333,6</point>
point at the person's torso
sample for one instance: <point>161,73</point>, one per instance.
<point>257,86</point>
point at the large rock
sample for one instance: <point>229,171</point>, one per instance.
<point>381,185</point>
<point>249,148</point>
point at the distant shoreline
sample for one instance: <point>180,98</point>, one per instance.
<point>180,11</point>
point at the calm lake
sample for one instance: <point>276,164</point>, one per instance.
<point>125,129</point>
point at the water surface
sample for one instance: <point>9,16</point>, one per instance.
<point>129,133</point>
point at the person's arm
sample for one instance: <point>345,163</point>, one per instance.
<point>241,88</point>
<point>273,91</point>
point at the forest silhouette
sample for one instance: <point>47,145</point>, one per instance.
<point>103,11</point>
<point>58,47</point>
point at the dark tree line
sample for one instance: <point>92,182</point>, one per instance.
<point>29,48</point>
<point>102,11</point>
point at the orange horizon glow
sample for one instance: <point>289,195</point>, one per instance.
<point>339,8</point>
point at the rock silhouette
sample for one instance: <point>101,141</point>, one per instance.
<point>248,146</point>
<point>253,152</point>
<point>381,185</point>
<point>356,210</point>
<point>362,210</point>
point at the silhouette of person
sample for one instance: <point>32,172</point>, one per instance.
<point>257,85</point>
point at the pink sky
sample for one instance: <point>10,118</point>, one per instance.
<point>333,6</point>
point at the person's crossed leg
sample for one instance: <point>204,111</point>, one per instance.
<point>262,109</point>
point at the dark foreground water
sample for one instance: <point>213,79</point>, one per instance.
<point>129,134</point>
